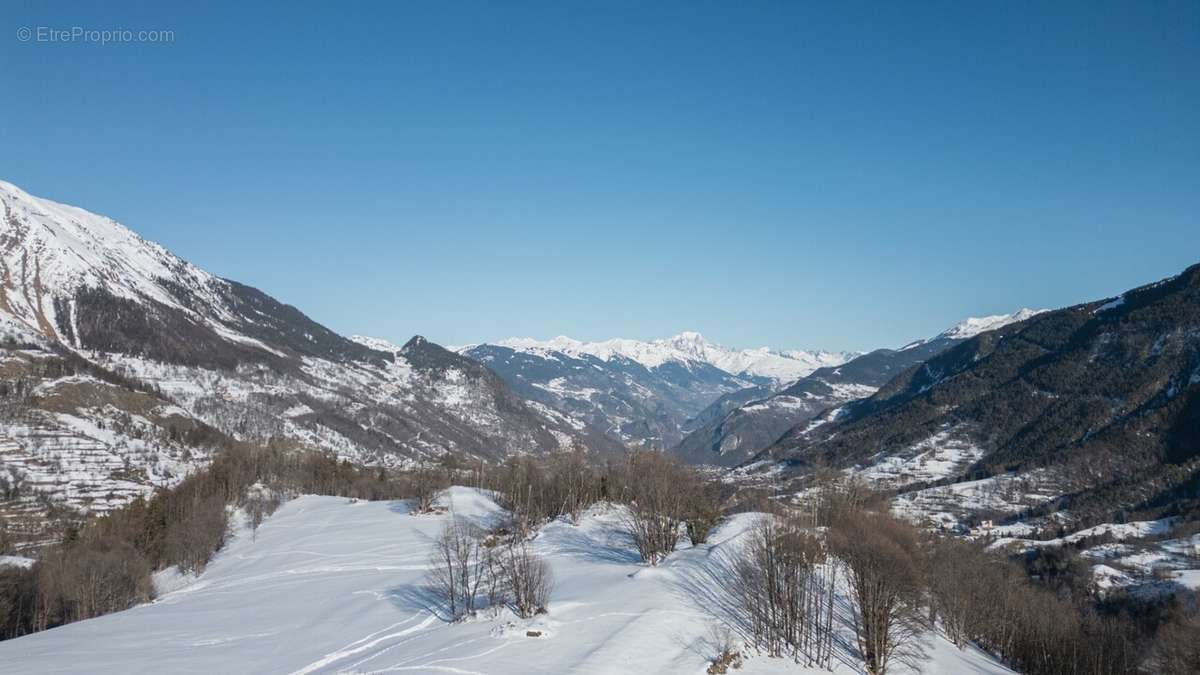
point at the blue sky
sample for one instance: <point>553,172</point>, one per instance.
<point>833,175</point>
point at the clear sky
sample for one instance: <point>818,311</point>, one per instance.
<point>827,175</point>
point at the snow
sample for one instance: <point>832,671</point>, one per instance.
<point>1106,577</point>
<point>51,250</point>
<point>1111,304</point>
<point>91,457</point>
<point>1187,578</point>
<point>172,579</point>
<point>1118,531</point>
<point>75,248</point>
<point>948,505</point>
<point>16,561</point>
<point>687,348</point>
<point>1013,530</point>
<point>12,328</point>
<point>1178,558</point>
<point>278,400</point>
<point>787,402</point>
<point>939,456</point>
<point>561,387</point>
<point>378,344</point>
<point>332,585</point>
<point>973,326</point>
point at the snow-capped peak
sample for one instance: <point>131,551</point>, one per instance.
<point>49,250</point>
<point>691,343</point>
<point>686,348</point>
<point>75,246</point>
<point>378,344</point>
<point>973,326</point>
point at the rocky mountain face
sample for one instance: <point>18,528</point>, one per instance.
<point>741,425</point>
<point>640,393</point>
<point>155,346</point>
<point>1091,413</point>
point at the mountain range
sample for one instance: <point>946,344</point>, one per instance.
<point>760,365</point>
<point>641,393</point>
<point>124,367</point>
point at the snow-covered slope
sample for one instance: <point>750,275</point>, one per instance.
<point>331,586</point>
<point>688,348</point>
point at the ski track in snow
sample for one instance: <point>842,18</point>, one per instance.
<point>327,585</point>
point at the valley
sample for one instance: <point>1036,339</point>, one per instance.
<point>1063,442</point>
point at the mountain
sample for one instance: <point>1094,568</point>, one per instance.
<point>743,424</point>
<point>116,352</point>
<point>640,393</point>
<point>1091,413</point>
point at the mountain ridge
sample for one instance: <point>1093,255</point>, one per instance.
<point>1092,409</point>
<point>744,424</point>
<point>687,346</point>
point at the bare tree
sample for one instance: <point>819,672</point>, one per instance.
<point>955,593</point>
<point>425,483</point>
<point>656,505</point>
<point>458,567</point>
<point>785,592</point>
<point>197,530</point>
<point>1176,649</point>
<point>260,505</point>
<point>880,555</point>
<point>495,581</point>
<point>522,486</point>
<point>530,580</point>
<point>702,509</point>
<point>575,482</point>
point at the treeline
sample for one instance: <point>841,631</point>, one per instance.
<point>106,564</point>
<point>1036,613</point>
<point>665,499</point>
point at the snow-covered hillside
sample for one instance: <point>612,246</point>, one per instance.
<point>688,348</point>
<point>327,585</point>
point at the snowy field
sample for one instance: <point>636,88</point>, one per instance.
<point>331,586</point>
